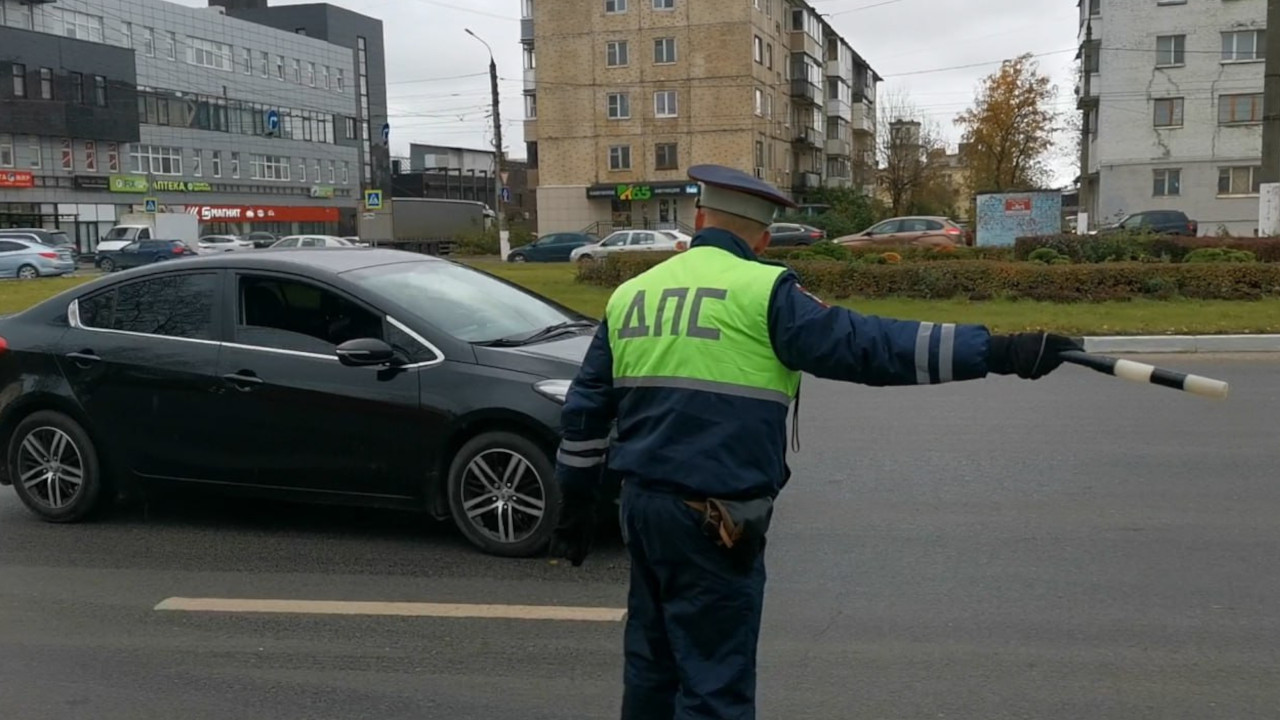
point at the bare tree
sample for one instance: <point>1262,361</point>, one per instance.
<point>907,151</point>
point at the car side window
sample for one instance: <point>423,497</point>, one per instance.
<point>131,247</point>
<point>642,238</point>
<point>144,234</point>
<point>294,315</point>
<point>616,240</point>
<point>179,306</point>
<point>888,226</point>
<point>932,225</point>
<point>9,246</point>
<point>289,242</point>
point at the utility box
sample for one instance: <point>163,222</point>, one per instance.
<point>1005,217</point>
<point>1269,210</point>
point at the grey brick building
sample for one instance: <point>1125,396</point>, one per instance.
<point>248,126</point>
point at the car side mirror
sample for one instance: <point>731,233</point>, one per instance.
<point>366,352</point>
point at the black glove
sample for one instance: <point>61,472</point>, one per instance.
<point>1030,356</point>
<point>576,529</point>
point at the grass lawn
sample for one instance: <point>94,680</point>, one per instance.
<point>1111,318</point>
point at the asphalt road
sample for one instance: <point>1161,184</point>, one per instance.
<point>1075,548</point>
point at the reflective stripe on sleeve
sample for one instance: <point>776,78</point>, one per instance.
<point>575,461</point>
<point>922,353</point>
<point>947,354</point>
<point>721,388</point>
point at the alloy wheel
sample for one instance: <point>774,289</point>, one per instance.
<point>26,272</point>
<point>50,467</point>
<point>503,496</point>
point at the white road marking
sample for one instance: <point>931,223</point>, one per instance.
<point>402,609</point>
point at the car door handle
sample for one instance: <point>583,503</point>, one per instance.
<point>243,380</point>
<point>84,358</point>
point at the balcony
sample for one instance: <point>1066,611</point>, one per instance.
<point>1082,102</point>
<point>864,120</point>
<point>805,91</point>
<point>839,146</point>
<point>808,181</point>
<point>839,107</point>
<point>530,79</point>
<point>808,136</point>
<point>526,30</point>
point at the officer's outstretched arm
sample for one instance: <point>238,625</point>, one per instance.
<point>587,418</point>
<point>839,344</point>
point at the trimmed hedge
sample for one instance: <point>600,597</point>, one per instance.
<point>1140,247</point>
<point>905,252</point>
<point>984,280</point>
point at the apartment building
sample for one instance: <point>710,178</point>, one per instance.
<point>1171,98</point>
<point>622,96</point>
<point>248,127</point>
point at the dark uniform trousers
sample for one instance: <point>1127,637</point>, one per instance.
<point>693,619</point>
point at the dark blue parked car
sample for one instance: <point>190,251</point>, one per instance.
<point>552,248</point>
<point>143,252</point>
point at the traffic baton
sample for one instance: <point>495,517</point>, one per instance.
<point>1134,371</point>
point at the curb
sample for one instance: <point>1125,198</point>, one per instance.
<point>1182,343</point>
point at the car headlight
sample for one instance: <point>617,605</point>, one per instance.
<point>556,390</point>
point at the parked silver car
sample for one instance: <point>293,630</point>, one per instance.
<point>310,241</point>
<point>29,259</point>
<point>633,241</point>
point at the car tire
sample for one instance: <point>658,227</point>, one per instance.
<point>107,265</point>
<point>28,272</point>
<point>478,506</point>
<point>518,258</point>
<point>40,436</point>
<point>585,258</point>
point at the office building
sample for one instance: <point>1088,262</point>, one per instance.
<point>1171,98</point>
<point>245,126</point>
<point>622,96</point>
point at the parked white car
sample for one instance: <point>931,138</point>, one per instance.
<point>310,241</point>
<point>633,241</point>
<point>221,243</point>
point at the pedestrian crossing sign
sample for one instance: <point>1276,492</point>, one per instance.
<point>150,205</point>
<point>372,199</point>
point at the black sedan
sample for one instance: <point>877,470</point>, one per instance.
<point>143,252</point>
<point>355,376</point>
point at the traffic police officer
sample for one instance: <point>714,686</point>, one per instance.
<point>698,361</point>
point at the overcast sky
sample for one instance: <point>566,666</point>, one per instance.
<point>936,51</point>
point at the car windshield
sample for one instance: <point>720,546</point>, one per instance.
<point>464,303</point>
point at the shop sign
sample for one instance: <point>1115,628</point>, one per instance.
<point>17,179</point>
<point>181,186</point>
<point>321,191</point>
<point>641,192</point>
<point>1017,206</point>
<point>263,213</point>
<point>93,182</point>
<point>128,184</point>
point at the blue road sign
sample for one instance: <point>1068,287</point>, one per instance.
<point>386,133</point>
<point>273,121</point>
<point>150,205</point>
<point>372,199</point>
<point>506,194</point>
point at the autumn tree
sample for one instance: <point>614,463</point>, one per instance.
<point>908,154</point>
<point>1008,133</point>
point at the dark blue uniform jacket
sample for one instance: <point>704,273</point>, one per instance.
<point>702,444</point>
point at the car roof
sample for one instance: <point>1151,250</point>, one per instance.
<point>324,260</point>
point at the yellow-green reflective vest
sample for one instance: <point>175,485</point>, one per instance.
<point>699,321</point>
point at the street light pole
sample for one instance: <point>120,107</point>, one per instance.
<point>504,243</point>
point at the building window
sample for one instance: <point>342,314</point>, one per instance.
<point>264,63</point>
<point>615,53</point>
<point>1168,112</point>
<point>664,50</point>
<point>619,106</point>
<point>315,172</point>
<point>342,80</point>
<point>171,45</point>
<point>99,91</point>
<point>311,74</point>
<point>332,173</point>
<point>156,160</point>
<point>526,9</point>
<point>351,129</point>
<point>90,156</point>
<point>68,155</point>
<point>324,77</point>
<point>302,171</point>
<point>664,4</point>
<point>77,87</point>
<point>197,162</point>
<point>620,157</point>
<point>1239,109</point>
<point>759,102</point>
<point>615,6</point>
<point>768,55</point>
<point>126,34</point>
<point>235,165</point>
<point>530,106</point>
<point>279,67</point>
<point>113,157</point>
<point>297,71</point>
<point>1168,183</point>
<point>36,151</point>
<point>346,173</point>
<point>1243,45</point>
<point>666,157</point>
<point>81,26</point>
<point>1239,180</point>
<point>6,151</point>
<point>46,84</point>
<point>758,50</point>
<point>215,163</point>
<point>148,42</point>
<point>246,61</point>
<point>269,167</point>
<point>207,53</point>
<point>1171,50</point>
<point>664,104</point>
<point>19,80</point>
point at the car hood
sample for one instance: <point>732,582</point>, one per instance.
<point>559,358</point>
